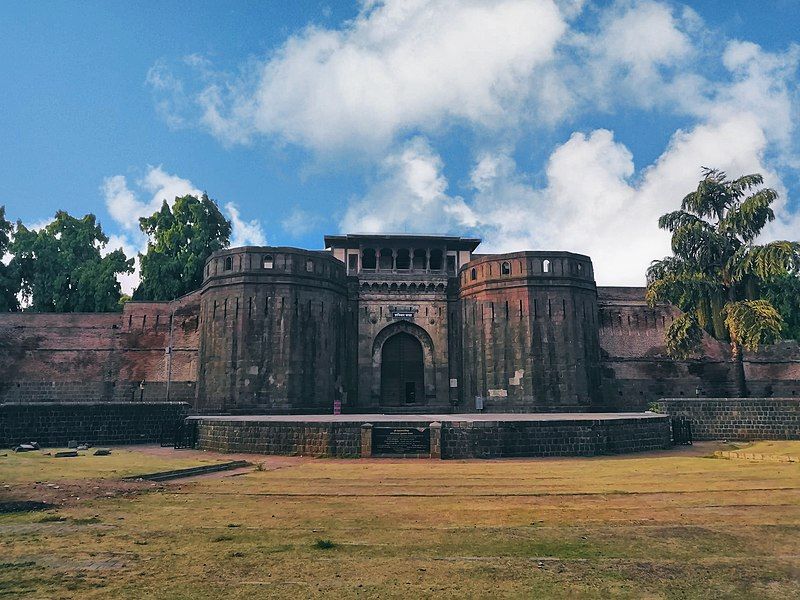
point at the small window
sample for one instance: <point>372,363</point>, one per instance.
<point>580,269</point>
<point>229,263</point>
<point>310,265</point>
<point>473,274</point>
<point>545,266</point>
<point>352,262</point>
<point>505,268</point>
<point>451,264</point>
<point>267,262</point>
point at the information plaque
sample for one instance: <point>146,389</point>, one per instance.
<point>401,440</point>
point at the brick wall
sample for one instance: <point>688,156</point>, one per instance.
<point>56,423</point>
<point>636,369</point>
<point>109,357</point>
<point>738,418</point>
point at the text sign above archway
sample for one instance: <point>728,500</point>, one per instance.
<point>403,312</point>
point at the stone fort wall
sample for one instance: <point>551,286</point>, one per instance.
<point>275,332</point>
<point>119,357</point>
<point>285,339</point>
<point>637,371</point>
<point>529,332</point>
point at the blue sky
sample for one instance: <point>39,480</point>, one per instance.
<point>534,124</point>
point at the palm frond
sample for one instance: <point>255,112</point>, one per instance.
<point>743,184</point>
<point>748,218</point>
<point>683,337</point>
<point>766,261</point>
<point>752,323</point>
<point>678,218</point>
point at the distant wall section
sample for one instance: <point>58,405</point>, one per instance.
<point>123,357</point>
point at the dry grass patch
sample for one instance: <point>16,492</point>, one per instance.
<point>668,525</point>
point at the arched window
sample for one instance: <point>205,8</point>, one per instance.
<point>229,263</point>
<point>580,269</point>
<point>403,260</point>
<point>309,265</point>
<point>436,260</point>
<point>386,260</point>
<point>368,259</point>
<point>545,266</point>
<point>267,262</point>
<point>420,260</point>
<point>473,274</point>
<point>505,268</point>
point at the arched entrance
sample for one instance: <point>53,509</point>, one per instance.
<point>402,371</point>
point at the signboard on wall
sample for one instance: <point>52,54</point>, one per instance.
<point>403,312</point>
<point>401,440</point>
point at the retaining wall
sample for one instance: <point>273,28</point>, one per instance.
<point>740,419</point>
<point>452,439</point>
<point>56,423</point>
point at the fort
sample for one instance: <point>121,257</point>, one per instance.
<point>379,324</point>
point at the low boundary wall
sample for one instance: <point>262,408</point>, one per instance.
<point>451,436</point>
<point>740,419</point>
<point>56,423</point>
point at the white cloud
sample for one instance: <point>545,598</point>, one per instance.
<point>125,206</point>
<point>410,196</point>
<point>300,222</point>
<point>245,233</point>
<point>404,70</point>
<point>399,65</point>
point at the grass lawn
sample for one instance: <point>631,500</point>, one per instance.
<point>673,524</point>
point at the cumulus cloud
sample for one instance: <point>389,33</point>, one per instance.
<point>409,196</point>
<point>397,66</point>
<point>244,233</point>
<point>593,201</point>
<point>402,71</point>
<point>127,205</point>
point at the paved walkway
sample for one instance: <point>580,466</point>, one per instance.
<point>428,418</point>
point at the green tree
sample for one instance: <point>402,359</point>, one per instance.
<point>62,267</point>
<point>717,276</point>
<point>784,294</point>
<point>9,282</point>
<point>180,241</point>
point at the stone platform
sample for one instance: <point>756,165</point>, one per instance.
<point>436,435</point>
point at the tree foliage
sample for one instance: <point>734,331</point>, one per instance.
<point>723,282</point>
<point>62,267</point>
<point>181,238</point>
<point>9,282</point>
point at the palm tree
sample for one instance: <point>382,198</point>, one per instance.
<point>717,275</point>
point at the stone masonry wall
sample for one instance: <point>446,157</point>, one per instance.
<point>740,419</point>
<point>458,439</point>
<point>55,423</point>
<point>554,438</point>
<point>284,438</point>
